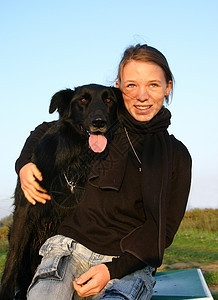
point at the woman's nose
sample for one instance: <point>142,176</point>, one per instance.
<point>142,94</point>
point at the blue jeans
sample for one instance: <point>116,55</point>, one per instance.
<point>64,259</point>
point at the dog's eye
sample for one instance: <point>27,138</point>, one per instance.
<point>83,100</point>
<point>108,100</point>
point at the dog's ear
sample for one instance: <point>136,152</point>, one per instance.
<point>118,94</point>
<point>120,102</point>
<point>60,101</point>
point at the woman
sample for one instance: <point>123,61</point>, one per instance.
<point>124,229</point>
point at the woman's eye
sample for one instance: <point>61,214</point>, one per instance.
<point>131,85</point>
<point>153,85</point>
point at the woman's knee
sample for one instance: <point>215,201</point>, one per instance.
<point>53,277</point>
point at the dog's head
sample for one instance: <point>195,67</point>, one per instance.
<point>91,109</point>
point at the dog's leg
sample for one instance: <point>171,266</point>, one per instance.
<point>19,235</point>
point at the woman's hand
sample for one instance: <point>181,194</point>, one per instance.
<point>31,188</point>
<point>93,281</point>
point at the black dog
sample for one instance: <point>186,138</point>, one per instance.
<point>63,155</point>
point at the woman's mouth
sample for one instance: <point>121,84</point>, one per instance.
<point>141,107</point>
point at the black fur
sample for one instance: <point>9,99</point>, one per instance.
<point>62,150</point>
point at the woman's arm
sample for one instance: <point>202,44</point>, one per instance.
<point>124,265</point>
<point>27,171</point>
<point>28,148</point>
<point>180,188</point>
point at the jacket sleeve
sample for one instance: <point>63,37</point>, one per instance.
<point>124,265</point>
<point>180,187</point>
<point>29,146</point>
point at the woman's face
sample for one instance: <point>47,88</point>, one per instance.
<point>144,87</point>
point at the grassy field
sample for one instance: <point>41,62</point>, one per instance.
<point>195,246</point>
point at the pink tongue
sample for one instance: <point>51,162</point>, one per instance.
<point>97,142</point>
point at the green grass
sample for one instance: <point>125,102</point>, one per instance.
<point>3,246</point>
<point>196,240</point>
<point>211,278</point>
<point>3,255</point>
<point>193,246</point>
<point>202,220</point>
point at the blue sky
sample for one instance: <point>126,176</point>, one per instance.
<point>49,45</point>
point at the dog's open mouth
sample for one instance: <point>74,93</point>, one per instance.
<point>97,142</point>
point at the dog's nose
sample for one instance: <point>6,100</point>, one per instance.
<point>98,121</point>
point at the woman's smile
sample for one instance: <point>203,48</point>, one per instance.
<point>143,108</point>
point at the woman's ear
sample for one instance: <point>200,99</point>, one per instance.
<point>117,84</point>
<point>169,87</point>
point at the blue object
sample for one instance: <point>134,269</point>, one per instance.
<point>182,284</point>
